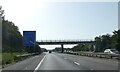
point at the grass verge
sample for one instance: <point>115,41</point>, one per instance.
<point>0,60</point>
<point>8,58</point>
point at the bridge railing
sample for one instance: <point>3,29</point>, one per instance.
<point>77,40</point>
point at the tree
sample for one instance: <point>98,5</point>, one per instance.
<point>98,43</point>
<point>11,37</point>
<point>108,41</point>
<point>114,39</point>
<point>118,40</point>
<point>1,13</point>
<point>81,47</point>
<point>37,48</point>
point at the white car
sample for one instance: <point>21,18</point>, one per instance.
<point>111,51</point>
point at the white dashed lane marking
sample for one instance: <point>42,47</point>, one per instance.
<point>76,63</point>
<point>39,64</point>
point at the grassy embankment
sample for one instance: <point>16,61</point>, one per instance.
<point>0,60</point>
<point>8,58</point>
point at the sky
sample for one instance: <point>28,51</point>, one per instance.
<point>63,19</point>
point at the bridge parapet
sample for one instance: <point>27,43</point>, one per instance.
<point>81,40</point>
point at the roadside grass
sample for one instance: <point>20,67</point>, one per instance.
<point>0,60</point>
<point>8,58</point>
<point>0,57</point>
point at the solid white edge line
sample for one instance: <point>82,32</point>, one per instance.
<point>39,64</point>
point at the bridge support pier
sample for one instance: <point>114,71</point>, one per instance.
<point>94,47</point>
<point>62,48</point>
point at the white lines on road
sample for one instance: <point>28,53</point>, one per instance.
<point>39,64</point>
<point>91,69</point>
<point>76,63</point>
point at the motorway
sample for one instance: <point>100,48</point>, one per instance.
<point>59,61</point>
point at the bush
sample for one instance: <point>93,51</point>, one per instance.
<point>8,58</point>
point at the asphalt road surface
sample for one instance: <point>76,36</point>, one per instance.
<point>59,61</point>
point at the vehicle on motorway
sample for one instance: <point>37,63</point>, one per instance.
<point>50,51</point>
<point>111,51</point>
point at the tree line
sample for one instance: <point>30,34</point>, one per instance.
<point>102,42</point>
<point>108,41</point>
<point>12,40</point>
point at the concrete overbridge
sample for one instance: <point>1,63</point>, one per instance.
<point>63,42</point>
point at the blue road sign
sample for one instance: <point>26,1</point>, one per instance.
<point>29,38</point>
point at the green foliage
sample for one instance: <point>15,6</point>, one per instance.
<point>1,12</point>
<point>82,47</point>
<point>9,57</point>
<point>33,49</point>
<point>11,37</point>
<point>108,41</point>
<point>37,49</point>
<point>102,42</point>
<point>0,57</point>
<point>118,40</point>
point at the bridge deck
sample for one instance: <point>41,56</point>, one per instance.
<point>57,42</point>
